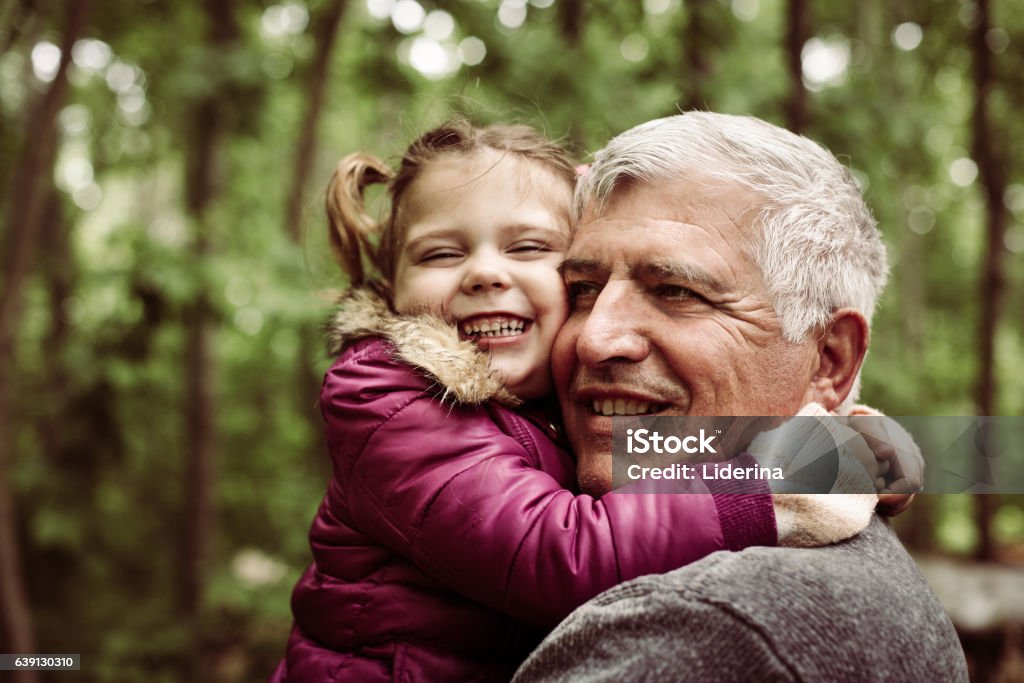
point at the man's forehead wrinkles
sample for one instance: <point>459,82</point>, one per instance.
<point>714,204</point>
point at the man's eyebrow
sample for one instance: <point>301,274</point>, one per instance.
<point>671,270</point>
<point>582,267</point>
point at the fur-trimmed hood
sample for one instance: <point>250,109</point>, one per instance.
<point>424,341</point>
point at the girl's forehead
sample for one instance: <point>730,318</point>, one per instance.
<point>477,165</point>
<point>446,183</point>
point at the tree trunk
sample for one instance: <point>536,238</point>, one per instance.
<point>326,36</point>
<point>798,30</point>
<point>12,14</point>
<point>571,21</point>
<point>328,26</point>
<point>202,185</point>
<point>35,164</point>
<point>696,65</point>
<point>985,148</point>
<point>58,265</point>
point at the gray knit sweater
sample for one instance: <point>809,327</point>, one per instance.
<point>854,611</point>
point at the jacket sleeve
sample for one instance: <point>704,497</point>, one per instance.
<point>443,486</point>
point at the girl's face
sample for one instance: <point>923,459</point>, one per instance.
<point>484,235</point>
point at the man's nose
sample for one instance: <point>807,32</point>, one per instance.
<point>614,329</point>
<point>485,272</point>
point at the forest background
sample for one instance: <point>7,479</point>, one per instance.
<point>166,268</point>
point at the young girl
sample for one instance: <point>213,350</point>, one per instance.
<point>450,537</point>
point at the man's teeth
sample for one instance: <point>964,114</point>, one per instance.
<point>494,327</point>
<point>621,406</point>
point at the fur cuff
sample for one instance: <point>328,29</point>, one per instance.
<point>424,341</point>
<point>813,519</point>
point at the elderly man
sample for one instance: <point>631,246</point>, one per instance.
<point>724,266</point>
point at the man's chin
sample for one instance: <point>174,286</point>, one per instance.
<point>595,477</point>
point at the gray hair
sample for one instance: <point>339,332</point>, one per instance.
<point>819,248</point>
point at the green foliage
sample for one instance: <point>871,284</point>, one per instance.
<point>99,466</point>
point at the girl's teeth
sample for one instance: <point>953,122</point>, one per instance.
<point>494,328</point>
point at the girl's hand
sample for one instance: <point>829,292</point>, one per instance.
<point>900,464</point>
<point>892,504</point>
<point>799,444</point>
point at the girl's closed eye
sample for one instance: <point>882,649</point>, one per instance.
<point>530,247</point>
<point>537,242</point>
<point>440,255</point>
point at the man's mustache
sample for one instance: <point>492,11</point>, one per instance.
<point>628,376</point>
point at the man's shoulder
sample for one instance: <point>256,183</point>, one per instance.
<point>830,613</point>
<point>876,553</point>
<point>870,574</point>
<point>874,557</point>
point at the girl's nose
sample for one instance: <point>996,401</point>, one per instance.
<point>484,275</point>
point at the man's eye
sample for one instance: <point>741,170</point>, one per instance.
<point>677,293</point>
<point>582,294</point>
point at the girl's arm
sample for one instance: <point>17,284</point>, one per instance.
<point>443,486</point>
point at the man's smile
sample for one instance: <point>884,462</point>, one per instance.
<point>625,406</point>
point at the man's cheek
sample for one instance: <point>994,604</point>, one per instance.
<point>563,357</point>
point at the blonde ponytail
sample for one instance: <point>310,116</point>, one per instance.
<point>349,225</point>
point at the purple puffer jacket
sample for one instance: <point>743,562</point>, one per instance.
<point>450,538</point>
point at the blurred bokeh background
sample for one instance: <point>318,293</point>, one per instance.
<point>165,271</point>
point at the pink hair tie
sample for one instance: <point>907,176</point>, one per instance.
<point>582,170</point>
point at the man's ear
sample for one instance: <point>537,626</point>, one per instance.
<point>841,348</point>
